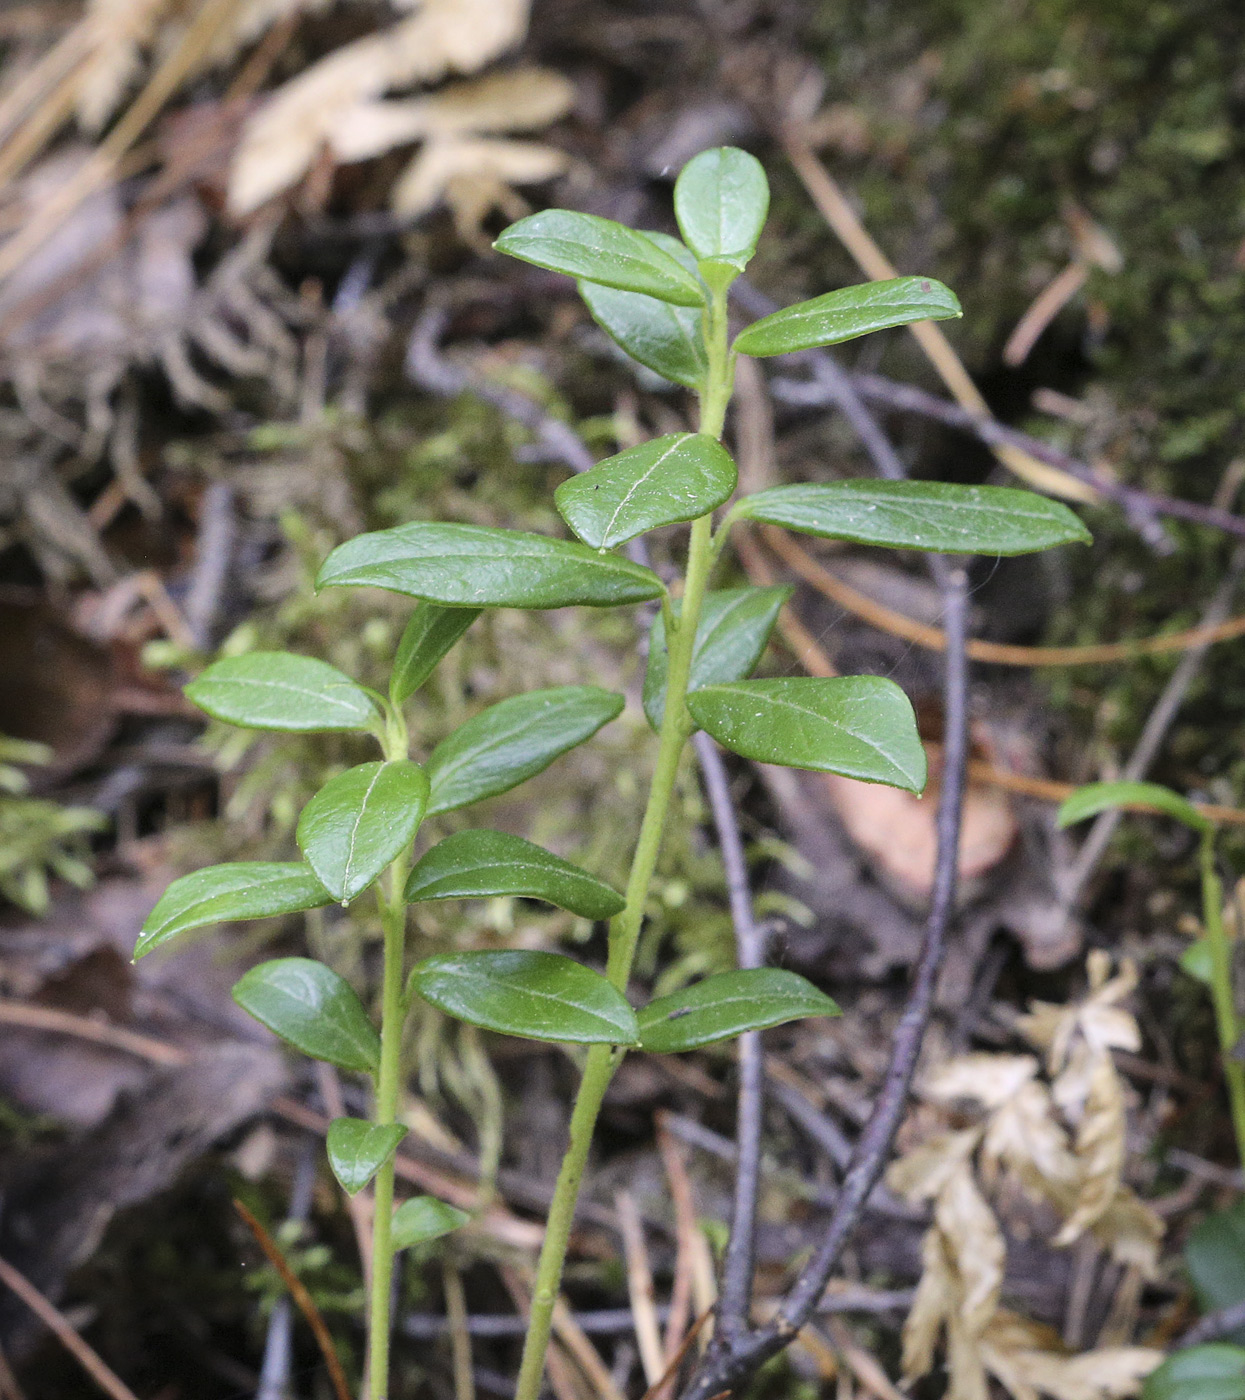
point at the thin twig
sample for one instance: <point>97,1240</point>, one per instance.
<point>274,1372</point>
<point>640,1288</point>
<point>82,1352</point>
<point>9,1387</point>
<point>48,1018</point>
<point>662,1384</point>
<point>1213,1326</point>
<point>213,554</point>
<point>686,1236</point>
<point>460,1338</point>
<point>735,1300</point>
<point>305,1303</point>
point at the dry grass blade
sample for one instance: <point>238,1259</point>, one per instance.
<point>46,1018</point>
<point>303,1300</point>
<point>685,1237</point>
<point>460,1338</point>
<point>95,1367</point>
<point>640,1287</point>
<point>661,1385</point>
<point>9,1387</point>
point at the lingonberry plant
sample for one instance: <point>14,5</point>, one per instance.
<point>665,303</point>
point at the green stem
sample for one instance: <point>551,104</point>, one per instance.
<point>393,1017</point>
<point>1221,989</point>
<point>604,1060</point>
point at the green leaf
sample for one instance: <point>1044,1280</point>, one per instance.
<point>847,313</point>
<point>422,1218</point>
<point>859,726</point>
<point>1215,1256</point>
<point>599,250</point>
<point>661,482</point>
<point>358,1149</point>
<point>726,1005</point>
<point>221,893</point>
<point>735,624</point>
<point>667,339</point>
<point>482,864</point>
<point>1088,801</point>
<point>1215,1371</point>
<point>1196,962</point>
<point>474,566</point>
<point>932,515</point>
<point>514,740</point>
<point>313,1008</point>
<point>359,821</point>
<point>429,635</point>
<point>278,690</point>
<point>721,199</point>
<point>539,996</point>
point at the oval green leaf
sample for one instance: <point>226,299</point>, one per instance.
<point>666,339</point>
<point>735,625</point>
<point>358,1149</point>
<point>278,690</point>
<point>1198,962</point>
<point>514,740</point>
<point>931,515</point>
<point>359,821</point>
<point>1215,1256</point>
<point>858,726</point>
<point>478,567</point>
<point>1215,1371</point>
<point>721,199</point>
<point>1088,801</point>
<point>482,864</point>
<point>223,893</point>
<point>423,1218</point>
<point>660,482</point>
<point>538,996</point>
<point>847,313</point>
<point>428,636</point>
<point>600,250</point>
<point>726,1005</point>
<point>313,1008</point>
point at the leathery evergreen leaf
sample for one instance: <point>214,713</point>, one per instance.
<point>721,199</point>
<point>660,482</point>
<point>428,636</point>
<point>931,515</point>
<point>847,313</point>
<point>482,864</point>
<point>539,996</point>
<point>726,1005</point>
<point>1093,798</point>
<point>219,894</point>
<point>858,726</point>
<point>478,567</point>
<point>664,338</point>
<point>422,1218</point>
<point>278,690</point>
<point>358,1149</point>
<point>513,741</point>
<point>1215,1371</point>
<point>359,821</point>
<point>599,250</point>
<point>313,1008</point>
<point>735,625</point>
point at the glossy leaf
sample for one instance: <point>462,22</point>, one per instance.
<point>735,625</point>
<point>1215,1257</point>
<point>599,250</point>
<point>932,515</point>
<point>1215,1371</point>
<point>726,1005</point>
<point>858,726</point>
<point>721,199</point>
<point>474,566</point>
<point>358,1149</point>
<point>359,821</point>
<point>513,741</point>
<point>539,996</point>
<point>847,313</point>
<point>422,1218</point>
<point>428,636</point>
<point>313,1008</point>
<point>223,893</point>
<point>660,482</point>
<point>278,690</point>
<point>1088,801</point>
<point>666,339</point>
<point>482,864</point>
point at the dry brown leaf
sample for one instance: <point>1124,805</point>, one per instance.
<point>1131,1232</point>
<point>472,176</point>
<point>966,1371</point>
<point>976,1245</point>
<point>924,1172</point>
<point>1104,1374</point>
<point>1024,1137</point>
<point>122,29</point>
<point>1097,1019</point>
<point>447,36</point>
<point>934,1301</point>
<point>990,1079</point>
<point>1099,1149</point>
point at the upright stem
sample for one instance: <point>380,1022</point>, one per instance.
<point>603,1060</point>
<point>1221,989</point>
